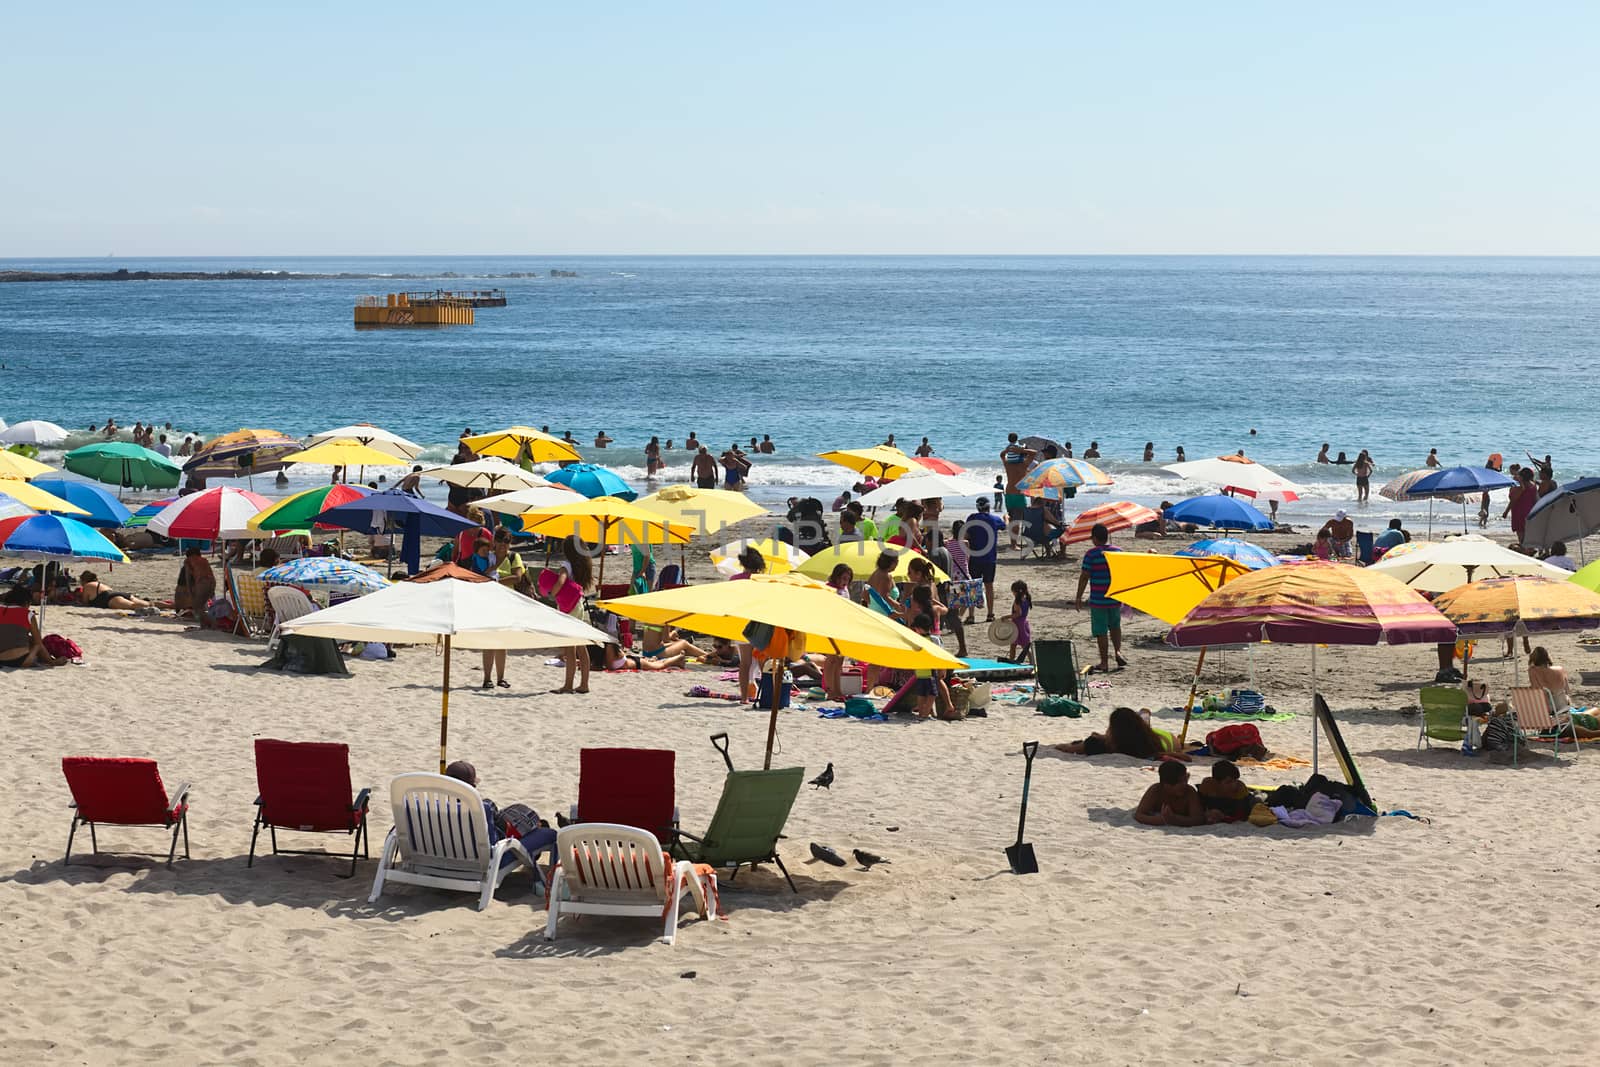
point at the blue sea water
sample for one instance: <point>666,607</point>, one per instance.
<point>1469,355</point>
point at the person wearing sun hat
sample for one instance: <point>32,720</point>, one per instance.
<point>1342,529</point>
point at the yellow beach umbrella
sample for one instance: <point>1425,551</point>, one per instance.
<point>707,510</point>
<point>519,442</point>
<point>779,556</point>
<point>605,520</point>
<point>828,622</point>
<point>862,556</point>
<point>37,499</point>
<point>1525,603</point>
<point>364,433</point>
<point>1168,587</point>
<point>879,461</point>
<point>344,453</point>
<point>15,465</point>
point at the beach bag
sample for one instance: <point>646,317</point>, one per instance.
<point>1245,702</point>
<point>221,615</point>
<point>563,601</point>
<point>62,647</point>
<point>1232,739</point>
<point>966,594</point>
<point>1059,707</point>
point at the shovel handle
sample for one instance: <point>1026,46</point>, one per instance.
<point>1028,750</point>
<point>723,747</point>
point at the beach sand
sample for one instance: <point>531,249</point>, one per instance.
<point>1459,939</point>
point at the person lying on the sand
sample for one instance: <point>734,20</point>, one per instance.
<point>659,641</point>
<point>93,593</point>
<point>1172,801</point>
<point>1128,734</point>
<point>619,660</point>
<point>1224,797</point>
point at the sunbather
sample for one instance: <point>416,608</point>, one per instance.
<point>93,593</point>
<point>661,641</point>
<point>619,660</point>
<point>1224,797</point>
<point>536,837</point>
<point>1172,801</point>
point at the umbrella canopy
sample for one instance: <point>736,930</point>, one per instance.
<point>1052,478</point>
<point>704,509</point>
<point>364,433</point>
<point>326,572</point>
<point>1168,587</point>
<point>1314,602</point>
<point>1399,489</point>
<point>301,511</point>
<point>16,465</point>
<point>780,557</point>
<point>1039,444</point>
<point>862,557</point>
<point>491,473</point>
<point>522,501</point>
<point>411,515</point>
<point>606,520</point>
<point>1223,512</point>
<point>99,507</point>
<point>1248,553</point>
<point>124,463</point>
<point>55,537</point>
<point>917,485</point>
<point>518,443</point>
<point>592,481</point>
<point>879,461</point>
<point>242,452</point>
<point>141,518</point>
<point>1571,513</point>
<point>33,432</point>
<point>28,495</point>
<point>1454,481</point>
<point>1246,476</point>
<point>450,570</point>
<point>11,508</point>
<point>1441,565</point>
<point>344,453</point>
<point>1588,577</point>
<point>1527,604</point>
<point>1117,515</point>
<point>938,465</point>
<point>215,513</point>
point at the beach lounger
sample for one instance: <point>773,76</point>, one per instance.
<point>250,600</point>
<point>440,839</point>
<point>1534,712</point>
<point>628,787</point>
<point>748,822</point>
<point>287,603</point>
<point>123,792</point>
<point>1444,714</point>
<point>305,786</point>
<point>1057,665</point>
<point>606,869</point>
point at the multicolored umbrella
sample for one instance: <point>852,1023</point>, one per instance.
<point>240,453</point>
<point>592,481</point>
<point>523,444</point>
<point>141,518</point>
<point>325,572</point>
<point>1248,553</point>
<point>1117,515</point>
<point>123,463</point>
<point>1219,511</point>
<point>215,513</point>
<point>55,537</point>
<point>1399,489</point>
<point>100,507</point>
<point>1450,482</point>
<point>1523,604</point>
<point>938,465</point>
<point>300,511</point>
<point>1051,479</point>
<point>1244,476</point>
<point>27,495</point>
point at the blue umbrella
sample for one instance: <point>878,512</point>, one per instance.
<point>412,515</point>
<point>1219,510</point>
<point>592,481</point>
<point>1571,513</point>
<point>1455,481</point>
<point>326,572</point>
<point>103,508</point>
<point>1250,555</point>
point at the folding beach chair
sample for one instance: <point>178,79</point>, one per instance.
<point>1040,535</point>
<point>606,869</point>
<point>747,824</point>
<point>287,603</point>
<point>305,786</point>
<point>123,792</point>
<point>628,787</point>
<point>440,839</point>
<point>1057,664</point>
<point>1444,715</point>
<point>250,600</point>
<point>1533,710</point>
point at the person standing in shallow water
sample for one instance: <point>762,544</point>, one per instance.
<point>1362,468</point>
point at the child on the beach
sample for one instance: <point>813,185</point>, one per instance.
<point>1223,796</point>
<point>1021,604</point>
<point>926,686</point>
<point>1324,547</point>
<point>1172,801</point>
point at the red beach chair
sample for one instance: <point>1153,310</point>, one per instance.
<point>123,792</point>
<point>305,786</point>
<point>628,787</point>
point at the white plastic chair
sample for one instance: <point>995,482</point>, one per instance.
<point>287,603</point>
<point>606,869</point>
<point>440,839</point>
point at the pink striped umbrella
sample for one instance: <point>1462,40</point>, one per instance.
<point>1117,515</point>
<point>209,515</point>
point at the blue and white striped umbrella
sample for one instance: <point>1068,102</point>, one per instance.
<point>1245,552</point>
<point>325,572</point>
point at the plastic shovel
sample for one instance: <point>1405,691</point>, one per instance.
<point>722,748</point>
<point>1020,855</point>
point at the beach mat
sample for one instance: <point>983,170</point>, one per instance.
<point>993,669</point>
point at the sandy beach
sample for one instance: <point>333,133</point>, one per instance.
<point>1445,941</point>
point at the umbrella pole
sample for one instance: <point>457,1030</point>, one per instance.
<point>772,723</point>
<point>444,707</point>
<point>1188,709</point>
<point>1315,729</point>
<point>601,581</point>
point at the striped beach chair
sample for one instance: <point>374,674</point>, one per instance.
<point>250,600</point>
<point>1535,714</point>
<point>607,869</point>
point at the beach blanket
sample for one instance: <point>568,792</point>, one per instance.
<point>711,694</point>
<point>1267,714</point>
<point>994,668</point>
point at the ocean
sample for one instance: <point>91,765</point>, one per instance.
<point>1396,355</point>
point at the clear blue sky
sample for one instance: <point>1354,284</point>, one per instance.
<point>286,128</point>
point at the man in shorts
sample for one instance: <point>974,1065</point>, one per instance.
<point>705,469</point>
<point>1105,614</point>
<point>982,534</point>
<point>1016,460</point>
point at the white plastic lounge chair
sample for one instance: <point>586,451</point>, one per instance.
<point>1534,711</point>
<point>440,839</point>
<point>607,869</point>
<point>287,603</point>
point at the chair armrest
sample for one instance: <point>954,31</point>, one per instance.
<point>179,798</point>
<point>362,800</point>
<point>258,800</point>
<point>677,833</point>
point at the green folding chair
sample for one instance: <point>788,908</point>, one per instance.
<point>1444,714</point>
<point>748,822</point>
<point>1056,663</point>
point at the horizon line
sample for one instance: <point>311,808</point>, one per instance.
<point>108,257</point>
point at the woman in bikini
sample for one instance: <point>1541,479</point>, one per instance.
<point>93,593</point>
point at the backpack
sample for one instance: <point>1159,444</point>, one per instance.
<point>220,614</point>
<point>1231,739</point>
<point>62,647</point>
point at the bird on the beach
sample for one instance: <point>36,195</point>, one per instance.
<point>866,859</point>
<point>824,780</point>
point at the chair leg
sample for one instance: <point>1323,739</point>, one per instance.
<point>779,861</point>
<point>70,834</point>
<point>255,832</point>
<point>391,848</point>
<point>173,851</point>
<point>94,841</point>
<point>669,933</point>
<point>553,898</point>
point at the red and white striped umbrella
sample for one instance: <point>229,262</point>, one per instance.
<point>220,512</point>
<point>1117,515</point>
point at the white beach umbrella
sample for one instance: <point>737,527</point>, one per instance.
<point>33,432</point>
<point>1235,472</point>
<point>522,501</point>
<point>477,615</point>
<point>489,472</point>
<point>924,486</point>
<point>1443,565</point>
<point>372,436</point>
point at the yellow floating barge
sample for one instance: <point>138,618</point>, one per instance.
<point>438,308</point>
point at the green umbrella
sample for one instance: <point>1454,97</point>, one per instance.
<point>124,464</point>
<point>300,511</point>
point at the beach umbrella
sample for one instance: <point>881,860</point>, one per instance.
<point>1570,513</point>
<point>780,556</point>
<point>592,481</point>
<point>706,510</point>
<point>472,615</point>
<point>99,507</point>
<point>1453,483</point>
<point>344,454</point>
<point>862,556</point>
<point>302,510</point>
<point>1117,515</point>
<point>1437,566</point>
<point>878,461</point>
<point>53,537</point>
<point>211,515</point>
<point>523,443</point>
<point>364,433</point>
<point>521,501</point>
<point>241,453</point>
<point>1218,510</point>
<point>140,519</point>
<point>938,465</point>
<point>1051,479</point>
<point>1313,602</point>
<point>1040,444</point>
<point>11,508</point>
<point>124,464</point>
<point>605,520</point>
<point>915,485</point>
<point>33,432</point>
<point>1248,553</point>
<point>449,570</point>
<point>16,465</point>
<point>413,516</point>
<point>28,495</point>
<point>1399,489</point>
<point>1245,476</point>
<point>807,609</point>
<point>1522,604</point>
<point>489,473</point>
<point>326,572</point>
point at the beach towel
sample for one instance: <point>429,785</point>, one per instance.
<point>711,694</point>
<point>1268,714</point>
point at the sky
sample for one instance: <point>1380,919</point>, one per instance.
<point>850,128</point>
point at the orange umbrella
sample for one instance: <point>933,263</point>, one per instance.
<point>1117,515</point>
